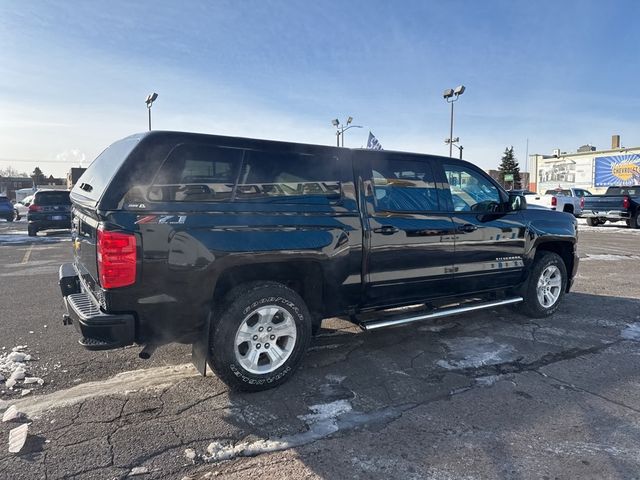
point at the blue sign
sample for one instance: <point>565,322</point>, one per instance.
<point>622,170</point>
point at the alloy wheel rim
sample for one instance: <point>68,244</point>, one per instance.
<point>549,286</point>
<point>265,339</point>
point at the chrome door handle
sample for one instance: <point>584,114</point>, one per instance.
<point>468,227</point>
<point>386,230</point>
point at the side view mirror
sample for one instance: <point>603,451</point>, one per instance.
<point>517,202</point>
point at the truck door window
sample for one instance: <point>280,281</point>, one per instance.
<point>471,191</point>
<point>403,185</point>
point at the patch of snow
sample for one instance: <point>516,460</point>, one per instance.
<point>190,454</point>
<point>632,332</point>
<point>25,391</point>
<point>322,422</point>
<point>122,383</point>
<point>138,471</point>
<point>11,414</point>
<point>488,380</point>
<point>18,437</point>
<point>609,257</point>
<point>473,352</point>
<point>37,380</point>
<point>335,378</point>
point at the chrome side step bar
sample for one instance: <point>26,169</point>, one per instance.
<point>401,320</point>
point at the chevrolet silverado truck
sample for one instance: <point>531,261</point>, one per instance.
<point>567,200</point>
<point>618,203</point>
<point>240,247</point>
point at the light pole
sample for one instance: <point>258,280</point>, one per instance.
<point>451,95</point>
<point>149,101</point>
<point>340,129</point>
<point>459,147</point>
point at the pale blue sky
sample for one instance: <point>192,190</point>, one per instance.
<point>74,75</point>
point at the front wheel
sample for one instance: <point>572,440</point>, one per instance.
<point>32,231</point>
<point>592,222</point>
<point>260,337</point>
<point>634,221</point>
<point>545,286</point>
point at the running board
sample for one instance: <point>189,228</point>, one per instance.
<point>401,320</point>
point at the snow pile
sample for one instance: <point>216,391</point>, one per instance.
<point>472,352</point>
<point>13,368</point>
<point>632,332</point>
<point>18,437</point>
<point>322,422</point>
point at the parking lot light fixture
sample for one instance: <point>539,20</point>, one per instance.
<point>340,129</point>
<point>451,95</point>
<point>149,101</point>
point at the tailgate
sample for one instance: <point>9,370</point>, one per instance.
<point>603,203</point>
<point>84,235</point>
<point>541,200</point>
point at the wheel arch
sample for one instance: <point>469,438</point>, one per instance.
<point>564,250</point>
<point>301,276</point>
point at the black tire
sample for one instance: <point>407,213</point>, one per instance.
<point>32,231</point>
<point>238,306</point>
<point>592,221</point>
<point>634,221</point>
<point>532,305</point>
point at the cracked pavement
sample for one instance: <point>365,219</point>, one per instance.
<point>487,395</point>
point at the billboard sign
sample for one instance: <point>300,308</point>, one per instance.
<point>617,170</point>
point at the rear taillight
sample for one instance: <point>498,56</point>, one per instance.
<point>34,208</point>
<point>554,201</point>
<point>116,258</point>
<point>626,203</point>
<point>582,202</point>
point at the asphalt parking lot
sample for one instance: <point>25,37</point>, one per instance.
<point>486,395</point>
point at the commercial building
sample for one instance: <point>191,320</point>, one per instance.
<point>9,185</point>
<point>588,168</point>
<point>73,176</point>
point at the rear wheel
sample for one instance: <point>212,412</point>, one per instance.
<point>634,221</point>
<point>32,231</point>
<point>260,337</point>
<point>545,286</point>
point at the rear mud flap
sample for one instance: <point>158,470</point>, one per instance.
<point>200,349</point>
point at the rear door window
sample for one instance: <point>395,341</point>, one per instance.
<point>403,185</point>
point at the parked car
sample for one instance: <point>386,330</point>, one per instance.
<point>618,203</point>
<point>6,209</point>
<point>241,247</point>
<point>567,200</point>
<point>22,207</point>
<point>49,209</point>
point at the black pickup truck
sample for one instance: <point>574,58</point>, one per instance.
<point>240,247</point>
<point>618,203</point>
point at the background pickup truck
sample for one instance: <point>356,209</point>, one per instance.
<point>618,203</point>
<point>567,200</point>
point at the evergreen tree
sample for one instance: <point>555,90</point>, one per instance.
<point>38,177</point>
<point>509,165</point>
